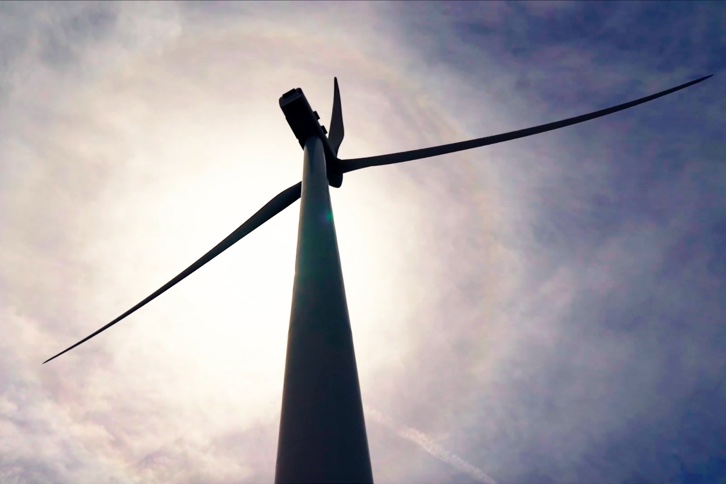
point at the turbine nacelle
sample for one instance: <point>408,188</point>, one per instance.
<point>305,124</point>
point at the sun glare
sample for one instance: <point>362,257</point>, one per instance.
<point>190,164</point>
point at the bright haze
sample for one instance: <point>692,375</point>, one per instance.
<point>550,309</point>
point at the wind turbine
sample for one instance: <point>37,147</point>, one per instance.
<point>322,429</point>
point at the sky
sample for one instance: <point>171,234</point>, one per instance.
<point>546,310</point>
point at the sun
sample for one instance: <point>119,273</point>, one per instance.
<point>188,164</point>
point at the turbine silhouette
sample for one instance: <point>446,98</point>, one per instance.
<point>322,429</point>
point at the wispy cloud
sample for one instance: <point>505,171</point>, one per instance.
<point>430,446</point>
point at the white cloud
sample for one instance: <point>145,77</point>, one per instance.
<point>490,293</point>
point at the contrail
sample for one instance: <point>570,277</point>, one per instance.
<point>428,445</point>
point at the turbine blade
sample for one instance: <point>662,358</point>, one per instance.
<point>283,200</point>
<point>335,136</point>
<point>358,163</point>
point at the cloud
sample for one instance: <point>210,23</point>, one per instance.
<point>430,446</point>
<point>552,306</point>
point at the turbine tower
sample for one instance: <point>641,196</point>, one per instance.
<point>322,428</point>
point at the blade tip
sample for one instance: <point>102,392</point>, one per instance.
<point>56,356</point>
